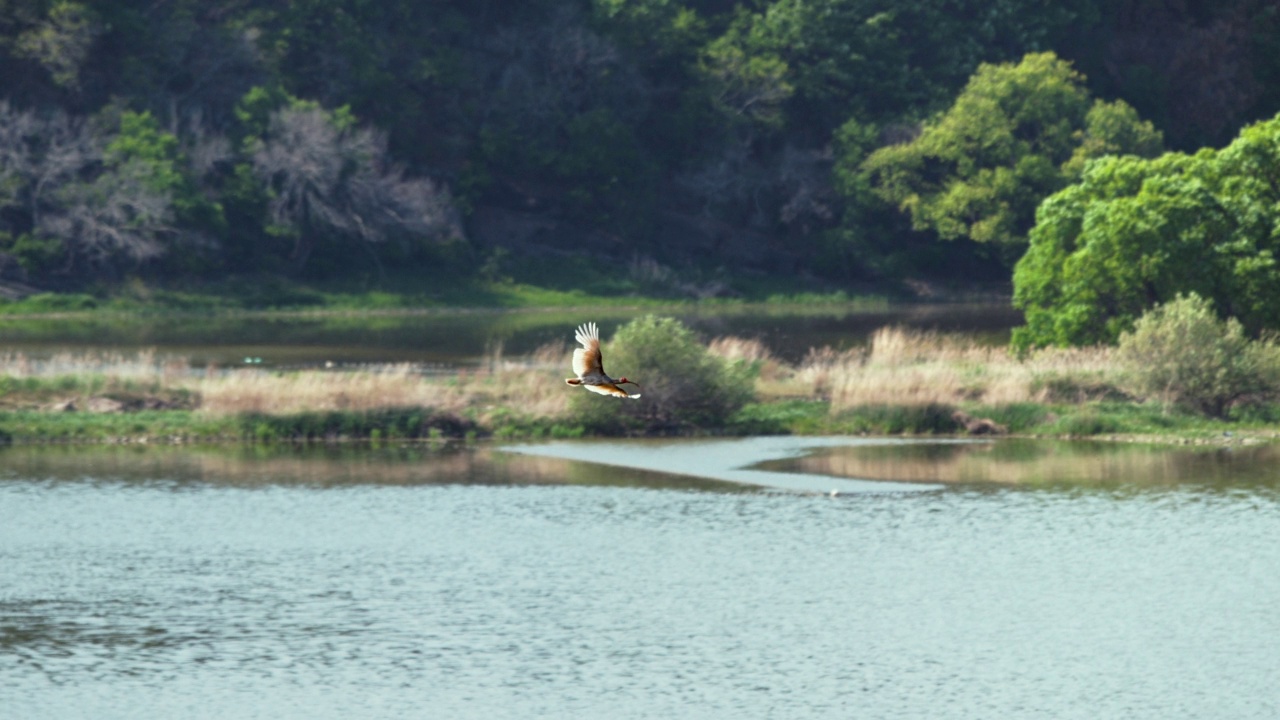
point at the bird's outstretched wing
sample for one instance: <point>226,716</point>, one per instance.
<point>611,389</point>
<point>586,359</point>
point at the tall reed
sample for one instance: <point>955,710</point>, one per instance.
<point>528,384</point>
<point>910,367</point>
<point>899,367</point>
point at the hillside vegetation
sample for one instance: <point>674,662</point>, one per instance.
<point>669,147</point>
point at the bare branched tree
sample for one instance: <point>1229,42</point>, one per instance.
<point>805,179</point>
<point>331,180</point>
<point>119,213</point>
<point>54,175</point>
<point>203,149</point>
<point>17,130</point>
<point>730,184</point>
<point>39,155</point>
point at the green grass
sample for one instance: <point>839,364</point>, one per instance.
<point>798,417</point>
<point>153,425</point>
<point>525,282</point>
<point>784,417</point>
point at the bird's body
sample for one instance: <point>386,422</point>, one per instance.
<point>589,367</point>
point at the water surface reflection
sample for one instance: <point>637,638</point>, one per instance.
<point>1044,462</point>
<point>405,582</point>
<point>322,466</point>
<point>459,339</point>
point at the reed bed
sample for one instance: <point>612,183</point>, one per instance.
<point>899,367</point>
<point>144,366</point>
<point>528,384</point>
<point>916,368</point>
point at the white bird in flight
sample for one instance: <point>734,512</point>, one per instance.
<point>589,367</point>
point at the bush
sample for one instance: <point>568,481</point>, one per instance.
<point>1017,417</point>
<point>1089,422</point>
<point>683,386</point>
<point>879,419</point>
<point>1181,352</point>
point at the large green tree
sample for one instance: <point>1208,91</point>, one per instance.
<point>881,59</point>
<point>1133,233</point>
<point>1016,134</point>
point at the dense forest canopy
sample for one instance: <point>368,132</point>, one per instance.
<point>845,139</point>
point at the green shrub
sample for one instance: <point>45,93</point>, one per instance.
<point>933,418</point>
<point>682,385</point>
<point>1089,422</point>
<point>388,423</point>
<point>53,302</point>
<point>1181,352</point>
<point>1017,417</point>
<point>1076,389</point>
<point>780,417</point>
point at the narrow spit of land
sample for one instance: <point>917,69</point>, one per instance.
<point>903,382</point>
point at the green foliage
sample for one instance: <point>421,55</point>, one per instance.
<point>52,302</point>
<point>253,110</point>
<point>34,253</point>
<point>780,417</point>
<point>745,86</point>
<point>1181,352</point>
<point>682,385</point>
<point>1086,423</point>
<point>933,418</point>
<point>613,127</point>
<point>156,153</point>
<point>1133,233</point>
<point>1016,417</point>
<point>1112,128</point>
<point>883,61</point>
<point>38,426</point>
<point>389,423</point>
<point>1014,135</point>
<point>663,31</point>
<point>61,41</point>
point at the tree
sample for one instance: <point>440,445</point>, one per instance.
<point>329,178</point>
<point>1016,134</point>
<point>881,61</point>
<point>60,42</point>
<point>70,184</point>
<point>132,200</point>
<point>119,214</point>
<point>745,86</point>
<point>1133,233</point>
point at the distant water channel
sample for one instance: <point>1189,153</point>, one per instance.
<point>448,340</point>
<point>689,579</point>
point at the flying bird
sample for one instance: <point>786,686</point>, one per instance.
<point>589,368</point>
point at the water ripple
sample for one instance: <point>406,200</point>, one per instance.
<point>132,600</point>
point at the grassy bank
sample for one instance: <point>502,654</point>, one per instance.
<point>527,282</point>
<point>903,383</point>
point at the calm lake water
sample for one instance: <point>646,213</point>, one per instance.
<point>454,339</point>
<point>1069,581</point>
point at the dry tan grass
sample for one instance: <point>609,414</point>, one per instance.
<point>900,367</point>
<point>908,367</point>
<point>915,368</point>
<point>751,350</point>
<point>527,385</point>
<point>142,366</point>
<point>268,392</point>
